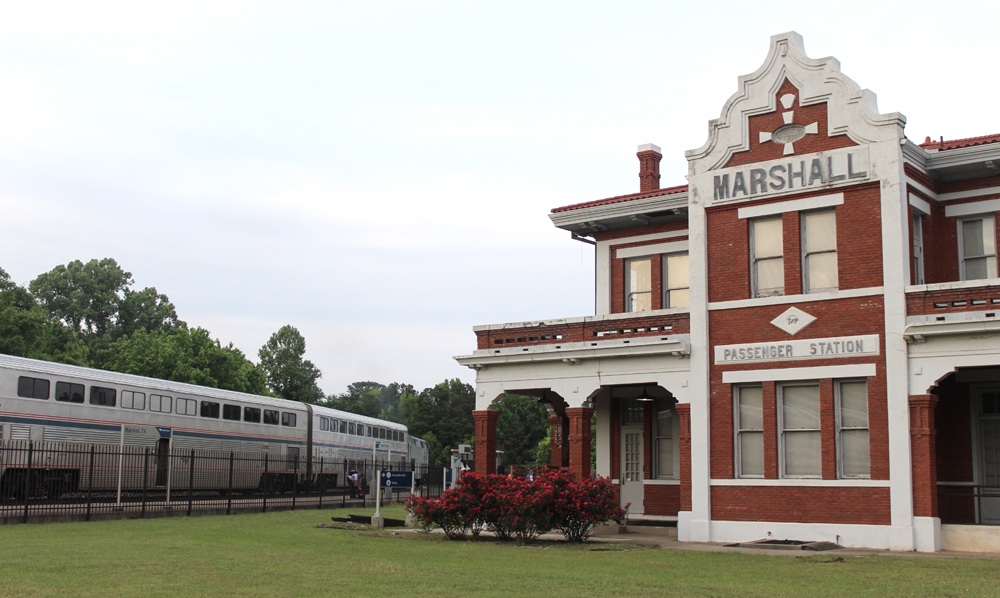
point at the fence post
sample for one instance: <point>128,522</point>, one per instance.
<point>191,485</point>
<point>145,480</point>
<point>229,492</point>
<point>267,483</point>
<point>90,481</point>
<point>322,484</point>
<point>27,480</point>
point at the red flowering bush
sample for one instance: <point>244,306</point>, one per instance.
<point>516,507</point>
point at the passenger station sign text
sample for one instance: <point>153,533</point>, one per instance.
<point>813,348</point>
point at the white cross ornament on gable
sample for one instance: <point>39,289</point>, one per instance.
<point>788,133</point>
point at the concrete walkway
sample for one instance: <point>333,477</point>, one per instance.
<point>666,537</point>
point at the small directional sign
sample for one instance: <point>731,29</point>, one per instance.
<point>396,479</point>
<point>456,461</point>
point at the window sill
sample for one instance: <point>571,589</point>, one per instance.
<point>814,482</point>
<point>791,299</point>
<point>661,482</point>
<point>958,284</point>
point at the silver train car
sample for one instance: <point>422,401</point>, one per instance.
<point>282,443</point>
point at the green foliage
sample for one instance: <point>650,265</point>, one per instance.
<point>446,410</point>
<point>183,355</point>
<point>372,399</point>
<point>290,376</point>
<point>522,424</point>
<point>85,297</point>
<point>543,452</point>
<point>26,331</point>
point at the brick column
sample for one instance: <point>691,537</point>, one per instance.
<point>828,429</point>
<point>486,441</point>
<point>684,418</point>
<point>558,435</point>
<point>579,440</point>
<point>923,455</point>
<point>769,402</point>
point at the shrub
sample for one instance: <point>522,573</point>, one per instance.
<point>516,507</point>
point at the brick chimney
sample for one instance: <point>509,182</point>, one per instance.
<point>649,167</point>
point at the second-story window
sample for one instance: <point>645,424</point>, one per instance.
<point>676,281</point>
<point>639,285</point>
<point>767,257</point>
<point>819,255</point>
<point>918,249</point>
<point>978,247</point>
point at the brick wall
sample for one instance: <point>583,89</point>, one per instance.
<point>618,274</point>
<point>866,506</point>
<point>555,334</point>
<point>768,123</point>
<point>661,500</point>
<point>859,245</point>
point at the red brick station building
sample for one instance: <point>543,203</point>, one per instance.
<point>801,343</point>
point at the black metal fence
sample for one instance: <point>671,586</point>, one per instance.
<point>60,481</point>
<point>967,503</point>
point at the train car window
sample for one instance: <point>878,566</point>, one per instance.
<point>351,429</point>
<point>187,406</point>
<point>161,403</point>
<point>334,425</point>
<point>343,427</point>
<point>288,419</point>
<point>32,388</point>
<point>231,412</point>
<point>102,396</point>
<point>324,424</point>
<point>210,409</point>
<point>381,433</point>
<point>251,414</point>
<point>368,431</point>
<point>69,393</point>
<point>395,435</point>
<point>133,400</point>
<point>270,417</point>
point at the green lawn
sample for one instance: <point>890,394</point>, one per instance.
<point>285,554</point>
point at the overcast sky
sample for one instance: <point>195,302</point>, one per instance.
<point>379,175</point>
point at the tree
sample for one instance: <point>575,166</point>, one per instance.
<point>522,424</point>
<point>444,409</point>
<point>373,399</point>
<point>290,376</point>
<point>86,297</point>
<point>145,309</point>
<point>183,355</point>
<point>26,331</point>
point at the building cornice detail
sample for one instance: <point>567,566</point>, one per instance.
<point>574,353</point>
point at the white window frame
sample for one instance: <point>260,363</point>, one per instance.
<point>754,260</point>
<point>738,429</point>
<point>628,283</point>
<point>780,402</point>
<point>666,278</point>
<point>962,258</point>
<point>840,443</point>
<point>806,286</point>
<point>918,248</point>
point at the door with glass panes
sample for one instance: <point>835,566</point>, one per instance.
<point>630,478</point>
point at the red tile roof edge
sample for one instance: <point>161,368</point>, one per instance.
<point>622,198</point>
<point>957,143</point>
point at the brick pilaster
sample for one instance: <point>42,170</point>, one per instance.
<point>923,455</point>
<point>769,401</point>
<point>486,441</point>
<point>558,436</point>
<point>684,418</point>
<point>579,440</point>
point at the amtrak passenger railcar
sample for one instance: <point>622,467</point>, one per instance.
<point>50,402</point>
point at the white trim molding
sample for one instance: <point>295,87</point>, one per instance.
<point>803,482</point>
<point>795,205</point>
<point>860,370</point>
<point>967,194</point>
<point>644,250</point>
<point>789,299</point>
<point>968,209</point>
<point>922,206</point>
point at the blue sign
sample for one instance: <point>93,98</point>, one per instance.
<point>396,479</point>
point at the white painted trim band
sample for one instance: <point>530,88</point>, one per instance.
<point>802,482</point>
<point>644,250</point>
<point>779,375</point>
<point>968,194</point>
<point>789,299</point>
<point>661,482</point>
<point>978,207</point>
<point>795,205</point>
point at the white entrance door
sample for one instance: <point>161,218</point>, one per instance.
<point>989,439</point>
<point>631,469</point>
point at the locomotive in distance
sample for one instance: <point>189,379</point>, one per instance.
<point>49,402</point>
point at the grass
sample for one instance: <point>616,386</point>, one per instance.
<point>286,554</point>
